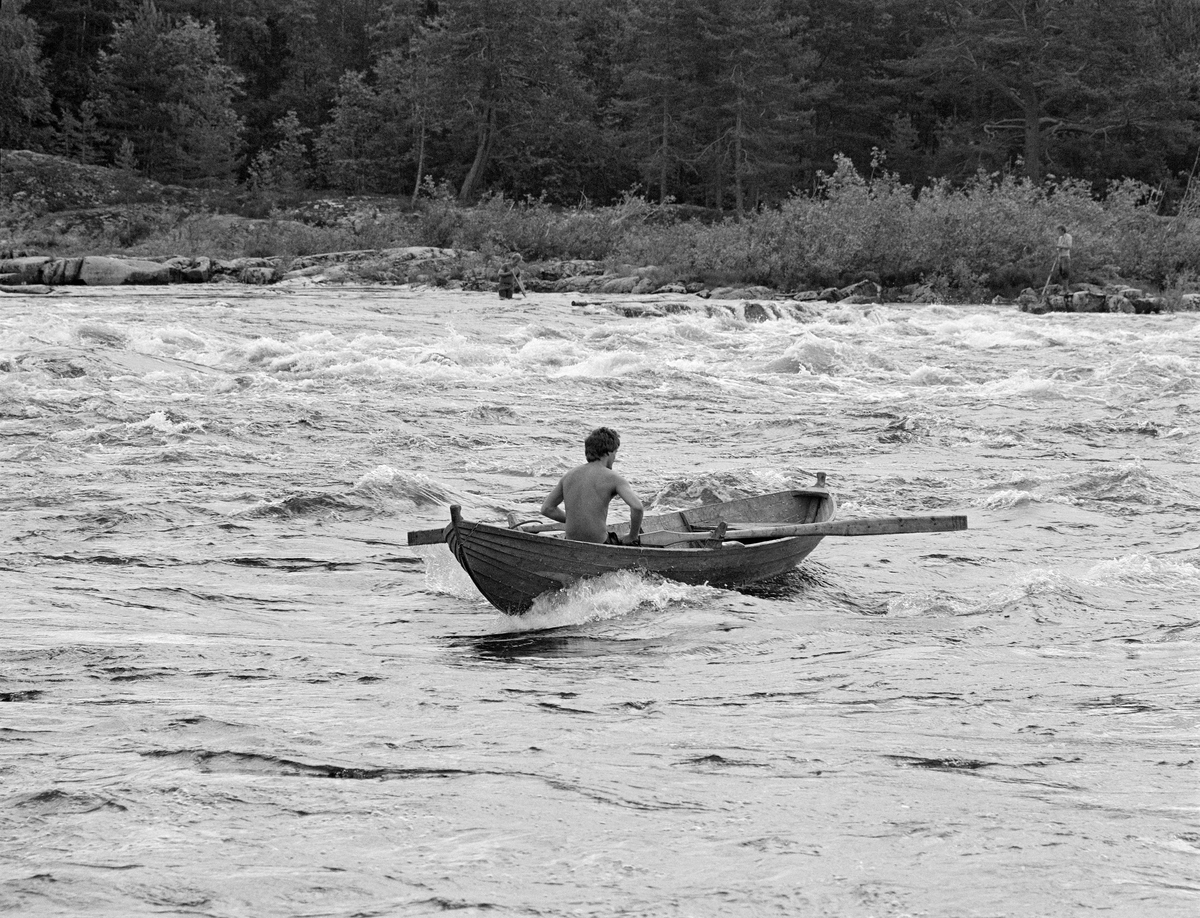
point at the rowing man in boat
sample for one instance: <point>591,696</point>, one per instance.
<point>588,489</point>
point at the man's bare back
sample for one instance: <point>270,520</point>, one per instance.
<point>588,489</point>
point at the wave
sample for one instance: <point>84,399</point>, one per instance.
<point>1145,572</point>
<point>303,505</point>
<point>1125,485</point>
<point>159,428</point>
<point>1165,373</point>
<point>385,482</point>
<point>1101,488</point>
<point>1009,498</point>
<point>221,761</point>
<point>55,802</point>
<point>715,487</point>
<point>1112,583</point>
<point>601,598</point>
<point>916,605</point>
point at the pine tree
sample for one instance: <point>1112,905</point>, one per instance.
<point>658,97</point>
<point>282,169</point>
<point>24,100</point>
<point>502,72</point>
<point>754,106</point>
<point>1076,85</point>
<point>73,34</point>
<point>164,88</point>
<point>357,149</point>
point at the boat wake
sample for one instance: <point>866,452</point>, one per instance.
<point>599,599</point>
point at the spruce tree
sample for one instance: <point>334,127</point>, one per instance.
<point>24,100</point>
<point>503,73</point>
<point>163,87</point>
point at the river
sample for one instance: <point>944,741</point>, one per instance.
<point>229,687</point>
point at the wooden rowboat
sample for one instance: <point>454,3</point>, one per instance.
<point>512,567</point>
<point>722,544</point>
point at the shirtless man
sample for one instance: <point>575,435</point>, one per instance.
<point>589,488</point>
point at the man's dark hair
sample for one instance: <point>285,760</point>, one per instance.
<point>600,441</point>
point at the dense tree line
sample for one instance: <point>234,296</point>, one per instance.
<point>722,103</point>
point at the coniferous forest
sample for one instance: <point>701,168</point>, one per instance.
<point>729,107</point>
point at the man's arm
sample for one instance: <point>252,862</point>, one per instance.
<point>552,506</point>
<point>635,510</point>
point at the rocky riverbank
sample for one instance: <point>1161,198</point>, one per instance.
<point>57,209</point>
<point>410,265</point>
<point>456,269</point>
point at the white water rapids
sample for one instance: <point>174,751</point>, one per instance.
<point>229,688</point>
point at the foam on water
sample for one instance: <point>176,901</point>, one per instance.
<point>412,487</point>
<point>214,630</point>
<point>601,598</point>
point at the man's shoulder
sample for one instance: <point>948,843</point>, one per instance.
<point>592,471</point>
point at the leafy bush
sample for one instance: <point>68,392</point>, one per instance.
<point>996,232</point>
<point>538,230</point>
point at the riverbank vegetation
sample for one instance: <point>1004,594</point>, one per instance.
<point>790,143</point>
<point>991,235</point>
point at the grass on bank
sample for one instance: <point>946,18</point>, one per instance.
<point>967,243</point>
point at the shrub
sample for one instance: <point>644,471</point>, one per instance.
<point>994,233</point>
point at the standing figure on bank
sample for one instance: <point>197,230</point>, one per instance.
<point>1064,256</point>
<point>510,277</point>
<point>588,489</point>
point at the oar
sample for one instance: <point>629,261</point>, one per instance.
<point>428,536</point>
<point>884,525</point>
<point>1051,274</point>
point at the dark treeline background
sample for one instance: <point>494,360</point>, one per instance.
<point>729,104</point>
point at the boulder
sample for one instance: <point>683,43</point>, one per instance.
<point>29,267</point>
<point>190,270</point>
<point>26,289</point>
<point>757,312</point>
<point>258,274</point>
<point>310,271</point>
<point>578,283</point>
<point>62,271</point>
<point>1088,300</point>
<point>1117,303</point>
<point>1028,300</point>
<point>864,291</point>
<point>103,271</point>
<point>806,296</point>
<point>1149,305</point>
<point>610,284</point>
<point>200,271</point>
<point>742,293</point>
